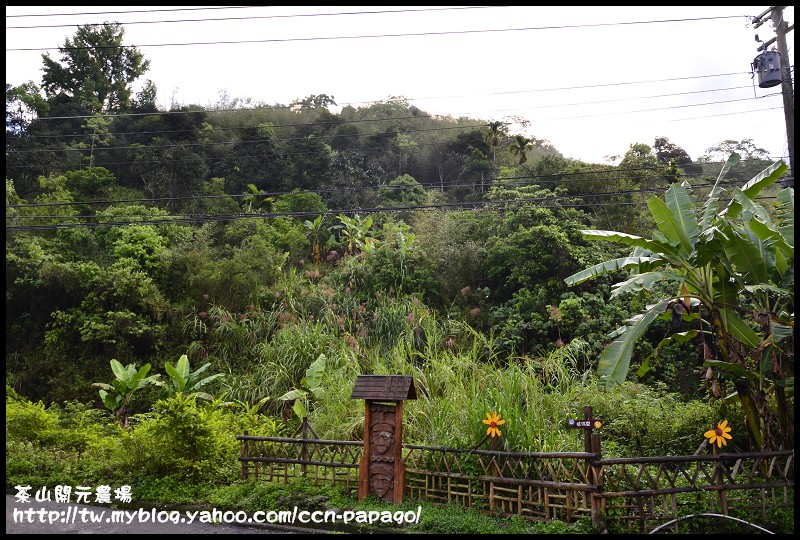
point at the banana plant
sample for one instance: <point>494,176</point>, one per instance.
<point>727,264</point>
<point>310,387</point>
<point>118,396</point>
<point>355,233</point>
<point>314,231</point>
<point>184,380</point>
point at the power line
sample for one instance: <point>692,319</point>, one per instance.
<point>374,36</point>
<point>374,119</point>
<point>503,182</point>
<point>252,17</point>
<point>287,154</point>
<point>124,12</point>
<point>455,206</point>
<point>310,124</point>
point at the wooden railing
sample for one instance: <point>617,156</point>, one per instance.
<point>635,494</point>
<point>643,492</point>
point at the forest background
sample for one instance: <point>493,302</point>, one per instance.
<point>287,249</point>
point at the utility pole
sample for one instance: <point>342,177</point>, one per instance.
<point>781,29</point>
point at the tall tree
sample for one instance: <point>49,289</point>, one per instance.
<point>96,68</point>
<point>745,148</point>
<point>496,130</point>
<point>520,146</point>
<point>667,151</point>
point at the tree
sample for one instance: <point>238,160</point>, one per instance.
<point>321,101</point>
<point>169,170</point>
<point>496,130</point>
<point>520,146</point>
<point>96,68</point>
<point>746,148</point>
<point>145,100</point>
<point>674,157</point>
<point>253,159</point>
<point>470,152</point>
<point>24,103</point>
<point>403,191</point>
<point>666,152</point>
<point>721,266</point>
<point>404,147</point>
<point>99,126</point>
<point>254,199</point>
<point>314,232</point>
<point>309,387</point>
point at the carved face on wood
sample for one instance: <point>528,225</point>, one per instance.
<point>382,436</point>
<point>380,484</point>
<point>381,441</point>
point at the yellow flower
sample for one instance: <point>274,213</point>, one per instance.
<point>719,434</point>
<point>493,420</point>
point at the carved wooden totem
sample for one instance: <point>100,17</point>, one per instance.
<point>381,470</point>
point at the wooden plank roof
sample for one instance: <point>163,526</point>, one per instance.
<point>384,387</point>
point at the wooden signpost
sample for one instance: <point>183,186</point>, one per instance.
<point>591,444</point>
<point>588,423</point>
<point>381,471</point>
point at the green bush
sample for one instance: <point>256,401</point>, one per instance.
<point>184,439</point>
<point>641,420</point>
<point>25,420</point>
<point>70,445</point>
<point>191,441</point>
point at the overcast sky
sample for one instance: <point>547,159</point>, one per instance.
<point>591,80</point>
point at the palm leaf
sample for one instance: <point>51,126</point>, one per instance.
<point>738,328</point>
<point>120,372</point>
<point>770,243</point>
<point>293,394</point>
<point>630,240</point>
<point>746,258</point>
<point>607,267</point>
<point>749,205</point>
<point>764,179</point>
<point>711,207</point>
<point>616,359</point>
<point>639,282</point>
<point>183,367</point>
<point>737,370</point>
<point>177,381</point>
<point>315,373</point>
<point>785,211</point>
<point>679,200</point>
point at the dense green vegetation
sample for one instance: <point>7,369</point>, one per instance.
<point>248,241</point>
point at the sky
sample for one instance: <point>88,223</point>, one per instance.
<point>591,81</point>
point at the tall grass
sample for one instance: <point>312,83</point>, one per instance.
<point>460,374</point>
<point>279,364</point>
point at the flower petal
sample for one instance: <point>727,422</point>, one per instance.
<point>710,433</point>
<point>722,442</point>
<point>488,416</point>
<point>727,436</point>
<point>486,421</point>
<point>723,424</point>
<point>498,432</point>
<point>489,431</point>
<point>500,422</point>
